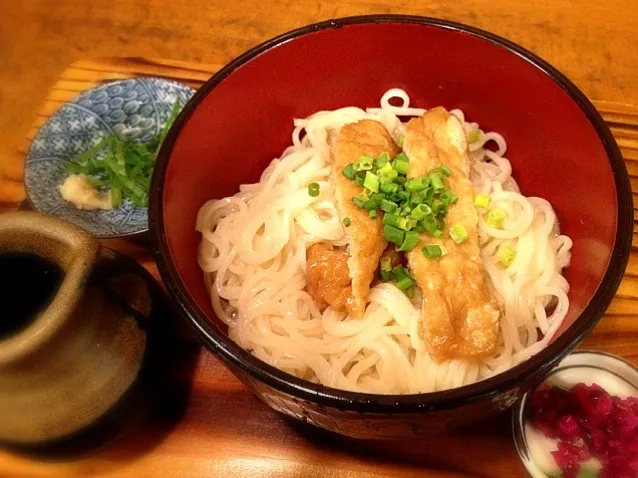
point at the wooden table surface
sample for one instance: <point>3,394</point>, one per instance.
<point>224,430</point>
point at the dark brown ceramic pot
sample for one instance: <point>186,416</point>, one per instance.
<point>83,353</point>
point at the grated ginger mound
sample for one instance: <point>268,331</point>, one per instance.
<point>77,190</point>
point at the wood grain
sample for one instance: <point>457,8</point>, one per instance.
<point>225,431</point>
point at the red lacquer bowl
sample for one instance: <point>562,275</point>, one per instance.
<point>559,147</point>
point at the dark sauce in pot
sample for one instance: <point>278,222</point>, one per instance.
<point>28,284</point>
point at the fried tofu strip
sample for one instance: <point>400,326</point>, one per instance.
<point>365,235</point>
<point>460,314</point>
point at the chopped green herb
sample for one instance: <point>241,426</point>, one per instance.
<point>386,264</point>
<point>116,197</point>
<point>122,165</point>
<point>393,234</point>
<point>410,241</point>
<point>458,233</point>
<point>402,157</point>
<point>436,180</point>
<point>347,221</point>
<point>372,213</point>
<point>391,219</point>
<point>445,170</point>
<point>474,135</point>
<point>400,140</point>
<point>415,185</point>
<point>401,167</point>
<point>371,182</point>
<point>399,272</point>
<point>405,283</point>
<point>496,217</point>
<point>420,211</point>
<point>349,171</point>
<point>506,255</point>
<point>313,190</point>
<point>432,251</point>
<point>482,201</point>
<point>389,188</point>
<point>388,206</point>
<point>364,163</point>
<point>385,276</point>
<point>358,202</point>
<point>382,160</point>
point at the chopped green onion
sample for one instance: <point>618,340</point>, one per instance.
<point>429,223</point>
<point>400,140</point>
<point>409,293</point>
<point>313,190</point>
<point>419,228</point>
<point>372,213</point>
<point>364,195</point>
<point>438,207</point>
<point>437,233</point>
<point>387,177</point>
<point>420,212</point>
<point>385,276</point>
<point>415,185</point>
<point>436,180</point>
<point>347,221</point>
<point>400,180</point>
<point>359,178</point>
<point>399,272</point>
<point>405,283</point>
<point>482,200</point>
<point>401,167</point>
<point>458,233</point>
<point>410,241</point>
<point>445,170</point>
<point>385,170</point>
<point>391,220</point>
<point>505,255</point>
<point>363,163</point>
<point>116,197</point>
<point>388,206</point>
<point>403,195</point>
<point>402,157</point>
<point>448,197</point>
<point>474,135</point>
<point>386,264</point>
<point>349,171</point>
<point>415,199</point>
<point>405,210</point>
<point>371,182</point>
<point>496,217</point>
<point>432,251</point>
<point>393,234</point>
<point>382,160</point>
<point>404,223</point>
<point>371,205</point>
<point>358,202</point>
<point>389,188</point>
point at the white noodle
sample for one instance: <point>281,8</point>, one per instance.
<point>253,254</point>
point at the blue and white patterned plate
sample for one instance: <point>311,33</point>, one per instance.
<point>137,108</point>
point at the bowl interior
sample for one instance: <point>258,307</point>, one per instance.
<point>245,121</point>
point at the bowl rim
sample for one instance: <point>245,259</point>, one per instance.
<point>533,368</point>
